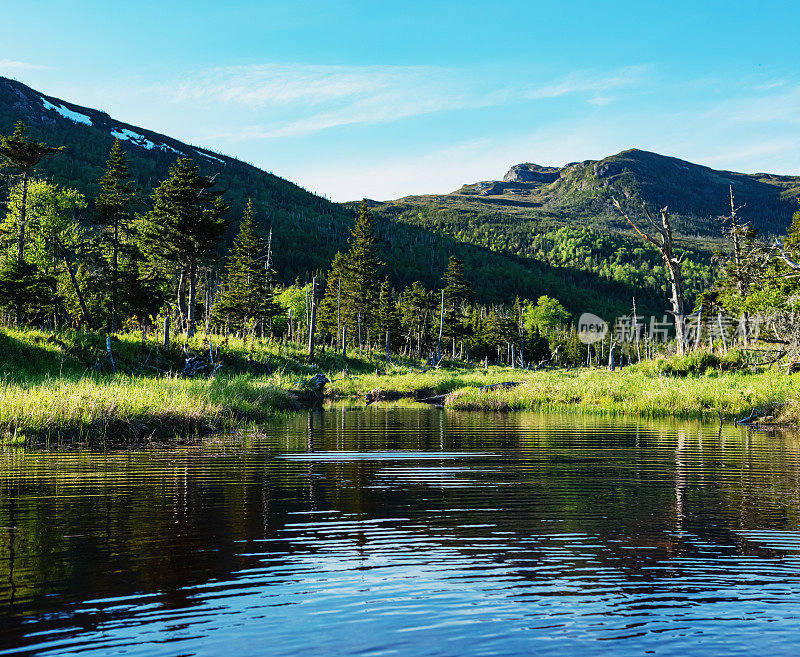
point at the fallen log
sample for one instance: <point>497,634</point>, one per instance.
<point>378,395</point>
<point>436,400</point>
<point>747,420</point>
<point>500,386</point>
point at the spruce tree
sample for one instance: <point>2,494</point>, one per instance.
<point>183,228</point>
<point>361,283</point>
<point>329,317</point>
<point>247,296</point>
<point>457,293</point>
<point>115,216</point>
<point>537,348</point>
<point>416,308</point>
<point>388,315</point>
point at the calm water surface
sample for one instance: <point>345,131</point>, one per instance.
<point>404,531</point>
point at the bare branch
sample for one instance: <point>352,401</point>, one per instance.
<point>785,256</point>
<point>635,227</point>
<point>650,217</point>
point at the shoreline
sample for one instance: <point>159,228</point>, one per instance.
<point>51,390</point>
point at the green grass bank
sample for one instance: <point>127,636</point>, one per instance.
<point>66,386</point>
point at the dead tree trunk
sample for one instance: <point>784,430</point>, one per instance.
<point>312,324</point>
<point>181,287</point>
<point>192,292</point>
<point>74,280</point>
<point>23,216</point>
<point>664,244</point>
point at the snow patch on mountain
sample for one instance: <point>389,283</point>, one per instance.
<point>75,117</point>
<point>140,140</point>
<point>211,157</point>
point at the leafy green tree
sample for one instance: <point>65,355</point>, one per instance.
<point>183,229</point>
<point>293,301</point>
<point>56,245</point>
<point>547,314</point>
<point>247,298</point>
<point>23,154</point>
<point>60,242</point>
<point>114,214</point>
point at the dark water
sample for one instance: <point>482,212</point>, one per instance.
<point>408,532</point>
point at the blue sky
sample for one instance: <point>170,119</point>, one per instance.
<point>376,99</point>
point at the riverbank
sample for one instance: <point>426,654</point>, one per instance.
<point>67,386</point>
<point>639,390</point>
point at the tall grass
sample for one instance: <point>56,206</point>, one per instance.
<point>65,385</point>
<point>636,392</point>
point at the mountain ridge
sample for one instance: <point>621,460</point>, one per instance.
<point>697,195</point>
<point>307,229</point>
<point>299,218</point>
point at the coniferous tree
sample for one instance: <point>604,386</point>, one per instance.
<point>114,214</point>
<point>457,293</point>
<point>247,291</point>
<point>329,317</point>
<point>184,226</point>
<point>361,272</point>
<point>388,315</point>
<point>537,348</point>
<point>416,310</point>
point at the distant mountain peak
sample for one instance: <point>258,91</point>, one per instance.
<point>531,173</point>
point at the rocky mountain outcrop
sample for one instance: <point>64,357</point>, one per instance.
<point>696,194</point>
<point>531,173</point>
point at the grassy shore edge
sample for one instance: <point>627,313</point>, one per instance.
<point>50,389</point>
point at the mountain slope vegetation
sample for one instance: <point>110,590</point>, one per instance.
<point>564,217</point>
<point>307,229</point>
<point>540,230</point>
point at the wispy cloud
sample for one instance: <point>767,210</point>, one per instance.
<point>781,107</point>
<point>591,82</point>
<point>12,65</point>
<point>285,100</point>
<point>272,84</point>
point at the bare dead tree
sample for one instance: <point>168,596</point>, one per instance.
<point>664,243</point>
<point>738,230</point>
<point>778,248</point>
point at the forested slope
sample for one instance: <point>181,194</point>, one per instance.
<point>540,230</point>
<point>307,229</point>
<point>564,217</point>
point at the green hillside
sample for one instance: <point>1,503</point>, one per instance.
<point>307,229</point>
<point>301,221</point>
<point>563,217</point>
<point>697,196</point>
<point>540,230</point>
